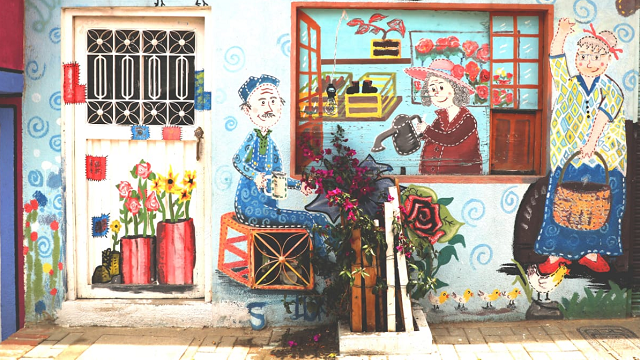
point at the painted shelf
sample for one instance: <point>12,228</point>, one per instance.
<point>365,61</point>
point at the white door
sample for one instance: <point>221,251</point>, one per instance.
<point>136,157</point>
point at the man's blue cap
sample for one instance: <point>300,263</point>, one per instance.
<point>253,82</point>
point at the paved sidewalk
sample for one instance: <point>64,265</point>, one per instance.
<point>566,340</point>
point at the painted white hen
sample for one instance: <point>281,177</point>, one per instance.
<point>544,284</point>
<point>462,299</point>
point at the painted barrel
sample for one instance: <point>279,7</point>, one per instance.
<point>176,251</point>
<point>138,261</point>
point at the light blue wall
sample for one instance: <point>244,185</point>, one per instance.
<point>253,37</point>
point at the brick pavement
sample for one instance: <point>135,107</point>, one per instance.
<point>487,340</point>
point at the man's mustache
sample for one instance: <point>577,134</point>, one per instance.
<point>268,114</point>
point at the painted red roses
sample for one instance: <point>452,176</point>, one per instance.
<point>423,217</point>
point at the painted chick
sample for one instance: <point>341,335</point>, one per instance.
<point>512,296</point>
<point>544,284</point>
<point>436,301</point>
<point>489,297</point>
<point>462,299</point>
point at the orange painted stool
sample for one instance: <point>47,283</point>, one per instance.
<point>275,258</point>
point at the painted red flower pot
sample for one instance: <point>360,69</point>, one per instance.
<point>176,251</point>
<point>138,260</point>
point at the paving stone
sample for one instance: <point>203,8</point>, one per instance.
<point>564,343</point>
<point>540,347</point>
<point>457,332</point>
<point>30,342</point>
<point>58,335</point>
<point>496,331</point>
<point>44,350</point>
<point>495,355</point>
<point>447,351</point>
<point>440,331</point>
<point>520,355</point>
<point>537,330</point>
<point>210,343</point>
<point>568,355</point>
<point>552,330</point>
<point>192,349</point>
<point>225,346</point>
<point>497,346</point>
<point>542,338</point>
<point>517,338</point>
<point>461,348</point>
<point>67,340</point>
<point>539,355</point>
<point>474,336</point>
<point>109,347</point>
<point>450,339</point>
<point>210,356</point>
<point>239,352</point>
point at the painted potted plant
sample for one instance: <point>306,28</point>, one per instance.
<point>176,247</point>
<point>350,191</point>
<point>138,213</point>
<point>381,48</point>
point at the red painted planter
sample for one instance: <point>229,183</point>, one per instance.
<point>176,252</point>
<point>138,261</point>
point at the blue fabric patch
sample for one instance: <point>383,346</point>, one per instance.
<point>140,132</point>
<point>100,225</point>
<point>203,98</point>
<point>40,198</point>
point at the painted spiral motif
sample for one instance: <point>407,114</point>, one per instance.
<point>285,44</point>
<point>234,59</point>
<point>37,127</point>
<point>33,70</point>
<point>221,96</point>
<point>630,80</point>
<point>55,100</point>
<point>510,200</point>
<point>55,143</point>
<point>54,35</point>
<point>224,177</point>
<point>45,246</point>
<point>585,11</point>
<point>624,32</point>
<point>35,178</point>
<point>230,123</point>
<point>482,253</point>
<point>472,211</point>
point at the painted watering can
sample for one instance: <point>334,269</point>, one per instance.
<point>404,135</point>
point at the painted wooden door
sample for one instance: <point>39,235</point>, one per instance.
<point>139,166</point>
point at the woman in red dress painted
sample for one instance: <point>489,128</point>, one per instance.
<point>451,142</point>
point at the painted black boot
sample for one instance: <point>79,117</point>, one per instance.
<point>354,88</point>
<point>367,88</point>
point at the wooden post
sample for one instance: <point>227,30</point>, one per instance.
<point>391,268</point>
<point>356,289</point>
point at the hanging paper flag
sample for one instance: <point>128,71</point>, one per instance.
<point>96,167</point>
<point>74,93</point>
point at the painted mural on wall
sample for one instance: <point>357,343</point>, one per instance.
<point>578,224</point>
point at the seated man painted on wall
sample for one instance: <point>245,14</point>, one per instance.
<point>587,120</point>
<point>259,162</point>
<point>451,142</point>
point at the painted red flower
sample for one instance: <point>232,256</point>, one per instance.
<point>34,205</point>
<point>53,291</point>
<point>453,42</point>
<point>60,266</point>
<point>509,98</point>
<point>457,71</point>
<point>34,236</point>
<point>54,225</point>
<point>133,205</point>
<point>485,76</point>
<point>495,97</point>
<point>424,46</point>
<point>27,224</point>
<point>25,250</point>
<point>483,53</point>
<point>424,217</point>
<point>27,208</point>
<point>417,84</point>
<point>472,69</point>
<point>482,91</point>
<point>51,272</point>
<point>124,188</point>
<point>143,170</point>
<point>442,44</point>
<point>152,203</point>
<point>469,47</point>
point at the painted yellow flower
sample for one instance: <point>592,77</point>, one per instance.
<point>116,226</point>
<point>47,268</point>
<point>185,195</point>
<point>171,183</point>
<point>157,184</point>
<point>189,180</point>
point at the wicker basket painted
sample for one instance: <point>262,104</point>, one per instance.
<point>582,206</point>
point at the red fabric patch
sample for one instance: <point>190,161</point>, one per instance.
<point>171,133</point>
<point>73,93</point>
<point>96,167</point>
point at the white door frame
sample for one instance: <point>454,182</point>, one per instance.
<point>69,15</point>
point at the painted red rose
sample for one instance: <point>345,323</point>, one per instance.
<point>423,217</point>
<point>453,42</point>
<point>152,203</point>
<point>457,71</point>
<point>34,236</point>
<point>496,77</point>
<point>469,47</point>
<point>124,188</point>
<point>53,291</point>
<point>495,97</point>
<point>51,272</point>
<point>34,205</point>
<point>60,266</point>
<point>442,44</point>
<point>54,225</point>
<point>417,84</point>
<point>483,53</point>
<point>485,76</point>
<point>509,98</point>
<point>473,70</point>
<point>25,250</point>
<point>133,205</point>
<point>143,170</point>
<point>27,208</point>
<point>482,91</point>
<point>424,46</point>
